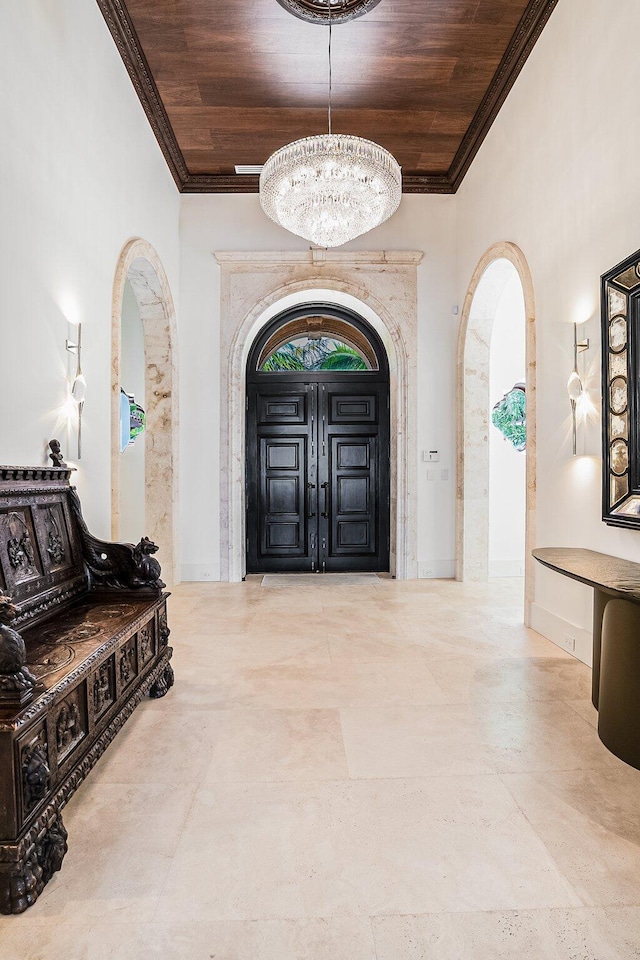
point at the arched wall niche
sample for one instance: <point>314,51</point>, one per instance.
<point>139,263</point>
<point>474,346</point>
<point>381,287</point>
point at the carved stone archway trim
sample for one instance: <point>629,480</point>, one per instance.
<point>474,342</point>
<point>139,263</point>
<point>382,287</point>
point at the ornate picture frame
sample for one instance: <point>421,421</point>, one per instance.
<point>620,304</point>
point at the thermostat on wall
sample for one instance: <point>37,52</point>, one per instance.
<point>430,456</point>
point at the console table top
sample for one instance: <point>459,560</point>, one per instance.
<point>612,574</point>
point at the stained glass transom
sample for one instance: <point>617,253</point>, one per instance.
<point>314,354</point>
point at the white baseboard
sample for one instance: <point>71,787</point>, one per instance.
<point>562,633</point>
<point>436,569</point>
<point>506,568</point>
<point>196,572</point>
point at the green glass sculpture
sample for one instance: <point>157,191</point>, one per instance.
<point>509,416</point>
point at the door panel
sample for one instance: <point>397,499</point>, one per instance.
<point>282,483</point>
<point>317,475</point>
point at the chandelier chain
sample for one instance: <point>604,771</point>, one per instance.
<point>330,69</point>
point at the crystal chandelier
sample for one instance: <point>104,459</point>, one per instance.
<point>331,188</point>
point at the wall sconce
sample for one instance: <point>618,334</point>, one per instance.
<point>79,385</point>
<point>575,387</point>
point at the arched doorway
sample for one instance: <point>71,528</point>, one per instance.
<point>494,273</point>
<point>380,286</point>
<point>317,444</point>
<point>140,267</point>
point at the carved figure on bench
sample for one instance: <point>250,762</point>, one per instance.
<point>16,681</point>
<point>56,456</point>
<point>147,567</point>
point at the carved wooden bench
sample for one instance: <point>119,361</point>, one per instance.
<point>83,638</point>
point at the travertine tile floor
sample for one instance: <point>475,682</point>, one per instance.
<point>387,771</point>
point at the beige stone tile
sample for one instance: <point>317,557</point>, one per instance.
<point>358,848</point>
<point>311,686</point>
<point>251,745</point>
<point>580,934</point>
<point>402,741</point>
<point>121,841</point>
<point>585,709</point>
<point>198,654</point>
<point>406,643</point>
<point>513,679</point>
<point>314,939</point>
<point>432,741</point>
<point>161,743</point>
<point>538,736</point>
<point>590,823</point>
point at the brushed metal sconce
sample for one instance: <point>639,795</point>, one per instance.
<point>79,385</point>
<point>575,386</point>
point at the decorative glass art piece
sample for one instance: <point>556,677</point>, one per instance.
<point>509,416</point>
<point>620,393</point>
<point>132,419</point>
<point>318,353</point>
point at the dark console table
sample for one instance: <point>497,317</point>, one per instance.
<point>615,689</point>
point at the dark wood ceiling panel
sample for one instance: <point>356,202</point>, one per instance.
<point>227,82</point>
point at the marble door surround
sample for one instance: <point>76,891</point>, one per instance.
<point>139,263</point>
<point>493,271</point>
<point>382,287</point>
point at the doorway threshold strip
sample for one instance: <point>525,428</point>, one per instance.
<point>318,579</point>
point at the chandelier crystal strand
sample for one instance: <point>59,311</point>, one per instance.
<point>333,188</point>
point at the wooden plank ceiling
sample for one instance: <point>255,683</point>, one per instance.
<point>227,82</point>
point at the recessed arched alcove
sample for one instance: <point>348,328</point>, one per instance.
<point>140,265</point>
<point>493,273</point>
<point>381,287</point>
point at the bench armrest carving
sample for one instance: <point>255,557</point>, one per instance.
<point>117,566</point>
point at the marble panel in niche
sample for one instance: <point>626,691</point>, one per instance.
<point>619,426</point>
<point>619,488</point>
<point>618,334</point>
<point>70,723</point>
<point>617,365</point>
<point>103,687</point>
<point>19,551</point>
<point>618,395</point>
<point>617,302</point>
<point>629,278</point>
<point>127,662</point>
<point>146,643</point>
<point>619,457</point>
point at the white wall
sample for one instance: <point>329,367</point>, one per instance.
<point>80,174</point>
<point>507,466</point>
<point>557,175</point>
<point>131,463</point>
<point>210,223</point>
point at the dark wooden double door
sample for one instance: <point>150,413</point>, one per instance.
<point>318,474</point>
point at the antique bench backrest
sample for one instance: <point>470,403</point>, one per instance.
<point>41,556</point>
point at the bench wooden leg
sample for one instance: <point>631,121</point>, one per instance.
<point>26,868</point>
<point>163,684</point>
